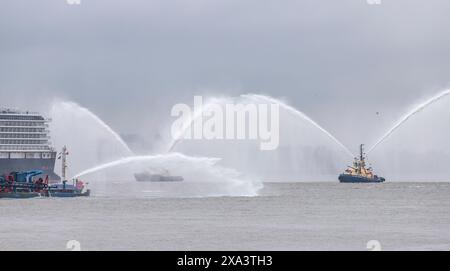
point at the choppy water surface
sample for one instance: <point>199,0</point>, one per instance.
<point>285,216</point>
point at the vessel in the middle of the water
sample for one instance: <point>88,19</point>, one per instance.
<point>161,175</point>
<point>358,173</point>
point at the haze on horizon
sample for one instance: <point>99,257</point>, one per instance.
<point>352,67</point>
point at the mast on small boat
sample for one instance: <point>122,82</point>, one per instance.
<point>63,156</point>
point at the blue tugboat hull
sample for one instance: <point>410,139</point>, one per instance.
<point>347,178</point>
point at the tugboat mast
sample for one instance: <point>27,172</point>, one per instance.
<point>362,163</point>
<point>361,154</point>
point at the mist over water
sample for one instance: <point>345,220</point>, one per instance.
<point>202,177</point>
<point>417,148</point>
<point>97,154</point>
<point>306,151</point>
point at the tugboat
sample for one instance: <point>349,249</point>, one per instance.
<point>358,173</point>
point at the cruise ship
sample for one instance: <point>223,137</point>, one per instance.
<point>24,143</point>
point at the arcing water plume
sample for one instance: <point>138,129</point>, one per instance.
<point>304,152</point>
<point>258,98</point>
<point>407,116</point>
<point>267,99</point>
<point>195,116</point>
<point>143,158</point>
<point>94,143</point>
<point>90,140</point>
<point>74,107</point>
<point>203,176</point>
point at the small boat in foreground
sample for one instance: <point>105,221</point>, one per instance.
<point>64,190</point>
<point>358,173</point>
<point>20,185</point>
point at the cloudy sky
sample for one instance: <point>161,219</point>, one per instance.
<point>337,61</point>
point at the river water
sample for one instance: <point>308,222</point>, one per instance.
<point>285,216</point>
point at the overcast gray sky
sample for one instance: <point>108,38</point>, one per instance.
<point>334,60</point>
